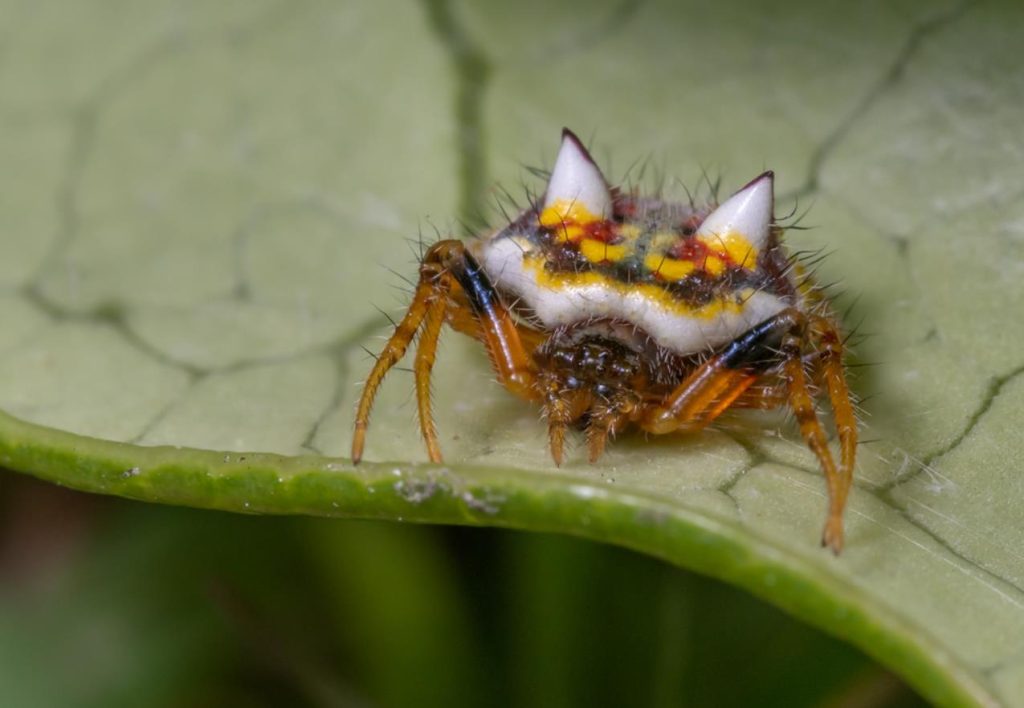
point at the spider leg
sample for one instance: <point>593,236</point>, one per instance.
<point>717,383</point>
<point>831,345</point>
<point>763,396</point>
<point>606,419</point>
<point>424,363</point>
<point>801,402</point>
<point>428,291</point>
<point>462,319</point>
<point>507,343</point>
<point>561,408</point>
<point>497,328</point>
<point>599,429</point>
<point>451,286</point>
<point>726,379</point>
<point>773,393</point>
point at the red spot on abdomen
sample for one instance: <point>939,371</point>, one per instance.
<point>689,249</point>
<point>603,231</point>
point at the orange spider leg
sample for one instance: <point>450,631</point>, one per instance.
<point>605,421</point>
<point>446,267</point>
<point>462,319</point>
<point>717,383</point>
<point>499,331</point>
<point>510,360</point>
<point>701,398</point>
<point>802,404</point>
<point>763,397</point>
<point>846,426</point>
<point>561,408</point>
<point>424,363</point>
<point>725,379</point>
<point>456,311</point>
<point>427,293</point>
<point>733,384</point>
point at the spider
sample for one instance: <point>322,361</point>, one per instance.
<point>614,310</point>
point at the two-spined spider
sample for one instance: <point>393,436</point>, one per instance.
<point>613,310</point>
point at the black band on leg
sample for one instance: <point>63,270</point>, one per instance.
<point>482,296</point>
<point>758,349</point>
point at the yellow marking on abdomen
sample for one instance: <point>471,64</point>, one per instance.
<point>600,252</point>
<point>713,265</point>
<point>565,218</point>
<point>668,268</point>
<point>734,245</point>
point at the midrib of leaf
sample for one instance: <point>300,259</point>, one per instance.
<point>472,69</point>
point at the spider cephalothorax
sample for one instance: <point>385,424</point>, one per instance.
<point>613,310</point>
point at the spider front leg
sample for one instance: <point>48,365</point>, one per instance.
<point>423,366</point>
<point>828,343</point>
<point>725,380</point>
<point>429,297</point>
<point>719,382</point>
<point>450,280</point>
<point>821,336</point>
<point>765,397</point>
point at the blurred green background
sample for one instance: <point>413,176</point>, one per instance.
<point>114,603</point>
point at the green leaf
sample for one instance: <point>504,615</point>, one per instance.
<point>200,205</point>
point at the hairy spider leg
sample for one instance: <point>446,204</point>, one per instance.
<point>726,379</point>
<point>763,397</point>
<point>471,300</point>
<point>606,420</point>
<point>462,319</point>
<point>768,394</point>
<point>500,333</point>
<point>422,367</point>
<point>831,346</point>
<point>721,380</point>
<point>561,408</point>
<point>559,411</point>
<point>801,402</point>
<point>447,268</point>
<point>427,293</point>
